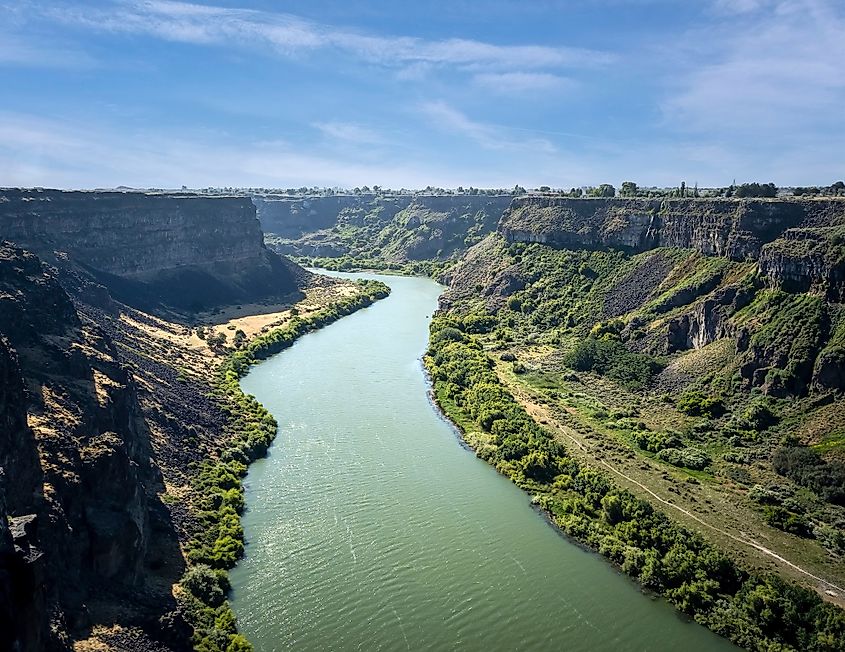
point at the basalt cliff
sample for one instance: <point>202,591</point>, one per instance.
<point>798,243</point>
<point>88,538</point>
<point>108,409</point>
<point>185,252</point>
<point>397,228</point>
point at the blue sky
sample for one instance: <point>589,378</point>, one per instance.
<point>491,94</point>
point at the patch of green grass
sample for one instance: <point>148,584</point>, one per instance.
<point>830,442</point>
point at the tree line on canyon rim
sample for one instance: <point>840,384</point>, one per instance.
<point>751,189</point>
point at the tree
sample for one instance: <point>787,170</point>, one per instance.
<point>204,583</point>
<point>628,189</point>
<point>756,190</point>
<point>604,190</point>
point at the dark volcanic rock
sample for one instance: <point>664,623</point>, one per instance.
<point>188,252</point>
<point>731,228</point>
<point>80,486</point>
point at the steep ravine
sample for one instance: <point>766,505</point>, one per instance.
<point>88,528</point>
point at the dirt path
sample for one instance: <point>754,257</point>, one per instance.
<point>829,590</point>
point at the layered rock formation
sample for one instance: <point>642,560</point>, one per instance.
<point>390,228</point>
<point>293,217</point>
<point>185,251</point>
<point>798,243</point>
<point>89,540</point>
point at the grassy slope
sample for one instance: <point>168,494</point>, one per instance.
<point>758,612</point>
<point>718,475</point>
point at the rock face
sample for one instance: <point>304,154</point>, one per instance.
<point>799,244</point>
<point>808,260</point>
<point>86,526</point>
<point>392,228</point>
<point>186,251</point>
<point>293,217</point>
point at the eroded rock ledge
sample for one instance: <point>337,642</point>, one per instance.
<point>798,243</point>
<point>186,251</point>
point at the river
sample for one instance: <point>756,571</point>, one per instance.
<point>369,526</point>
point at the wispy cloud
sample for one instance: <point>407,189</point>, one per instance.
<point>16,50</point>
<point>510,83</point>
<point>289,35</point>
<point>489,136</point>
<point>776,72</point>
<point>739,6</point>
<point>349,132</point>
<point>46,152</point>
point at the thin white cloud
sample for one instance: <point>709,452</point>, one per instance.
<point>777,72</point>
<point>516,83</point>
<point>349,132</point>
<point>488,136</point>
<point>26,51</point>
<point>52,153</point>
<point>289,35</point>
<point>739,6</point>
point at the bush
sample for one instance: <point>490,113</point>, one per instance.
<point>206,584</point>
<point>697,404</point>
<point>609,357</point>
<point>690,458</point>
<point>804,467</point>
<point>786,520</point>
<point>655,442</point>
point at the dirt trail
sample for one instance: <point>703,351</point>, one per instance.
<point>829,590</point>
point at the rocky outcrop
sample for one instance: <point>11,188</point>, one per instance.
<point>708,320</point>
<point>829,369</point>
<point>807,260</point>
<point>792,239</point>
<point>24,614</point>
<point>189,252</point>
<point>88,530</point>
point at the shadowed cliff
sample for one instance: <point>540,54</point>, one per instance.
<point>152,251</point>
<point>89,541</point>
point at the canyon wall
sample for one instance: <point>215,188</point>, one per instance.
<point>293,217</point>
<point>391,228</point>
<point>88,539</point>
<point>798,243</point>
<point>186,251</point>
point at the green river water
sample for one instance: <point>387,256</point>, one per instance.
<point>369,526</point>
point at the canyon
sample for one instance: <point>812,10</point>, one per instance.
<point>111,408</point>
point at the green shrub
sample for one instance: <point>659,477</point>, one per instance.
<point>786,520</point>
<point>696,403</point>
<point>803,466</point>
<point>690,458</point>
<point>656,441</point>
<point>609,357</point>
<point>206,584</point>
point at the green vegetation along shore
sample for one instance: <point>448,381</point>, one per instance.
<point>758,612</point>
<point>218,490</point>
